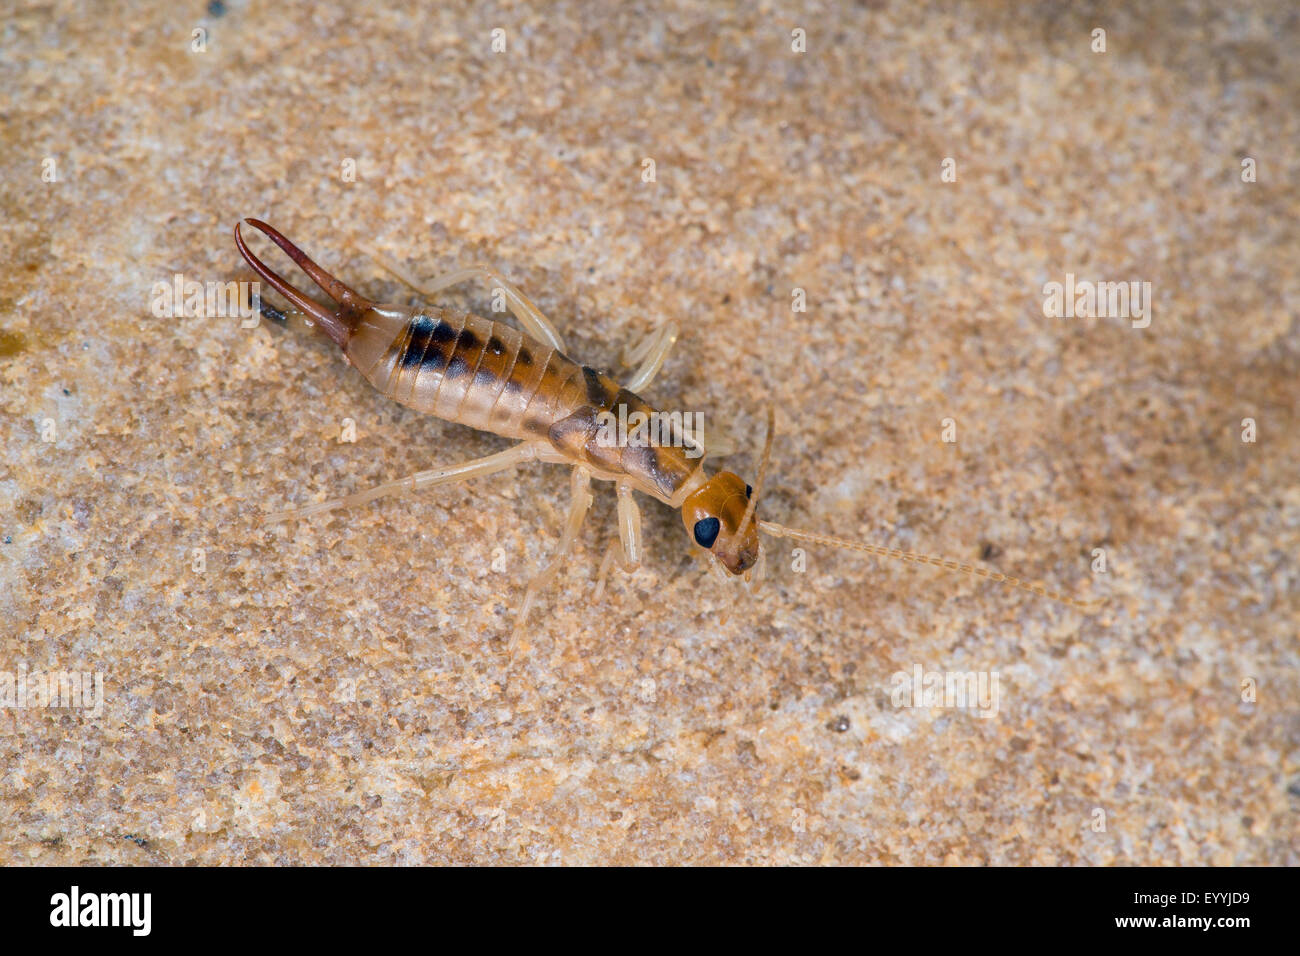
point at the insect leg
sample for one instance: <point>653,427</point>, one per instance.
<point>651,352</point>
<point>721,442</point>
<point>629,537</point>
<point>580,489</point>
<point>534,323</point>
<point>515,455</point>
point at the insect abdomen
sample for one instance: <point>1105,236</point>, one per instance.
<point>476,372</point>
<point>466,369</point>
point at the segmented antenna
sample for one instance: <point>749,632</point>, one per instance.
<point>762,469</point>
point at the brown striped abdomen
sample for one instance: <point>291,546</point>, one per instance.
<point>490,376</point>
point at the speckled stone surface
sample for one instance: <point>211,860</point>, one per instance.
<point>337,690</point>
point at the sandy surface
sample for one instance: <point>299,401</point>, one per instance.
<point>337,690</point>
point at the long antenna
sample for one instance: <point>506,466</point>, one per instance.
<point>910,557</point>
<point>762,470</point>
<point>913,557</point>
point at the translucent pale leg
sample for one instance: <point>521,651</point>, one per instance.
<point>529,316</point>
<point>717,440</point>
<point>720,441</point>
<point>651,352</point>
<point>580,489</point>
<point>515,455</point>
<point>629,537</point>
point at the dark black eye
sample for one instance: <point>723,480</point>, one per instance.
<point>706,531</point>
<point>749,492</point>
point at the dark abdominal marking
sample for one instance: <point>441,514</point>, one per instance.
<point>466,343</point>
<point>421,334</point>
<point>443,333</point>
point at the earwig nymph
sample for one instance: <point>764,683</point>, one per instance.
<point>521,385</point>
